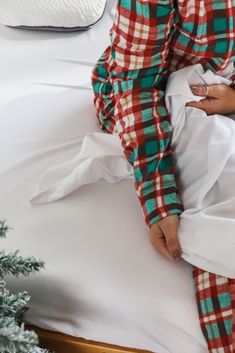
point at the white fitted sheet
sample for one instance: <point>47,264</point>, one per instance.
<point>103,279</point>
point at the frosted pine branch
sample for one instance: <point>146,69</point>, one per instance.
<point>13,336</point>
<point>16,265</point>
<point>12,305</point>
<point>15,339</point>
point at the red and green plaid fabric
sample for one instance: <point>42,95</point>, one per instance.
<point>148,40</point>
<point>216,308</point>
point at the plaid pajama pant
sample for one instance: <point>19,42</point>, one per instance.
<point>215,296</point>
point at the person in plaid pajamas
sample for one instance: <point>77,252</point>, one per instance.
<point>149,40</point>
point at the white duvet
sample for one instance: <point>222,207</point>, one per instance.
<point>204,152</point>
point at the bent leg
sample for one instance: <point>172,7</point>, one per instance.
<point>215,310</point>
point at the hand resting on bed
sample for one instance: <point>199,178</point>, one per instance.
<point>163,235</point>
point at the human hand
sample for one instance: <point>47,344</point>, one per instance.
<point>163,235</point>
<point>220,99</point>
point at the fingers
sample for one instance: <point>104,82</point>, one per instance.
<point>164,237</point>
<point>169,227</point>
<point>220,99</point>
<point>213,91</point>
<point>207,104</point>
<point>202,90</point>
<point>159,244</point>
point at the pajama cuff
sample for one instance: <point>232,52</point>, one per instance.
<point>153,212</point>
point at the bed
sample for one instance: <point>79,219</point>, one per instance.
<point>103,281</point>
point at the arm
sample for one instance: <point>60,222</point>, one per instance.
<point>140,39</point>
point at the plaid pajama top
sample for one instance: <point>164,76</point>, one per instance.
<point>148,40</point>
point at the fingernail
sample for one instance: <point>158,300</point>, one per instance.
<point>194,88</point>
<point>177,256</point>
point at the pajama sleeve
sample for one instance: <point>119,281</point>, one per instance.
<point>137,65</point>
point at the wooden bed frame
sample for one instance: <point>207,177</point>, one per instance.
<point>60,343</point>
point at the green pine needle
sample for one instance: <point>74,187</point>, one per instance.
<point>12,305</point>
<point>3,229</point>
<point>13,336</point>
<point>15,339</point>
<point>16,265</point>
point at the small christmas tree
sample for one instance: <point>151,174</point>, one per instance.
<point>13,336</point>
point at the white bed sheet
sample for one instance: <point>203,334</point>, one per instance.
<point>103,279</point>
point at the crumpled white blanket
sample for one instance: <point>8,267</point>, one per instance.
<point>100,156</point>
<point>204,156</point>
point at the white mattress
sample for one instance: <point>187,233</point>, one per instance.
<point>103,279</point>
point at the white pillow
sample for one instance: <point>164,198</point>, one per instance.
<point>56,15</point>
